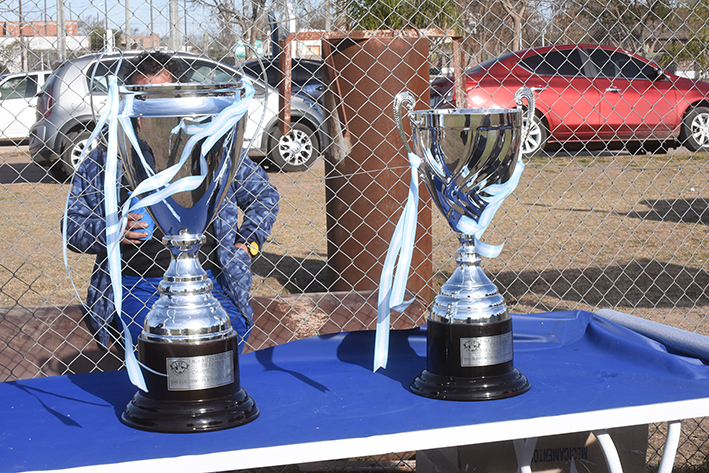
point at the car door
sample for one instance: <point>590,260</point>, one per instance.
<point>637,100</point>
<point>564,94</point>
<point>18,99</point>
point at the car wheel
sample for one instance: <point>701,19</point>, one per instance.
<point>74,145</point>
<point>695,129</point>
<point>536,138</point>
<point>295,151</point>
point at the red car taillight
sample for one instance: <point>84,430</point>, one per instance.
<point>44,104</point>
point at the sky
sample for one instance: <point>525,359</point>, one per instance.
<point>85,9</point>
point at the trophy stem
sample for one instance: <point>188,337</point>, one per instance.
<point>469,338</point>
<point>189,353</point>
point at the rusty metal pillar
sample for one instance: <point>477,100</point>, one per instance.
<point>367,170</point>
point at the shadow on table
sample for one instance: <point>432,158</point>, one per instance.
<point>404,363</point>
<point>117,395</point>
<point>265,357</point>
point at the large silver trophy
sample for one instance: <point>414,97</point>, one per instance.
<point>468,159</point>
<point>180,151</point>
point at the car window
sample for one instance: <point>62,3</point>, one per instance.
<point>49,83</point>
<point>617,64</point>
<point>254,69</point>
<point>19,88</point>
<point>205,71</point>
<point>554,62</point>
<point>633,68</point>
<point>601,60</point>
<point>103,71</point>
<point>196,71</point>
<point>307,72</point>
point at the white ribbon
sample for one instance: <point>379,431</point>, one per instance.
<point>402,244</point>
<point>401,248</point>
<point>157,184</point>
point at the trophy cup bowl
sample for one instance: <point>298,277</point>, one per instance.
<point>466,156</point>
<point>188,349</point>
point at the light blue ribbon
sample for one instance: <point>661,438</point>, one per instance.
<point>157,184</point>
<point>401,248</point>
<point>496,194</point>
<point>402,244</point>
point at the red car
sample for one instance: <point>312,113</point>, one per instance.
<point>591,95</point>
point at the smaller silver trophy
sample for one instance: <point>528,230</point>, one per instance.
<point>468,163</point>
<point>180,151</point>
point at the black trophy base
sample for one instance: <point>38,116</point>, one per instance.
<point>190,416</point>
<point>485,388</point>
<point>192,387</point>
<point>469,362</point>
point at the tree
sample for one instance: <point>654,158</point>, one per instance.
<point>486,30</point>
<point>636,25</point>
<point>94,28</point>
<point>690,47</point>
<point>516,10</point>
<point>236,21</point>
<point>398,14</point>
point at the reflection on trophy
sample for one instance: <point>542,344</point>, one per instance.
<point>180,153</point>
<point>470,161</point>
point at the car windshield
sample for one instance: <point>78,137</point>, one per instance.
<point>486,65</point>
<point>196,70</point>
<point>303,71</point>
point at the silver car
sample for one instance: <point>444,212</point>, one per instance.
<point>65,118</point>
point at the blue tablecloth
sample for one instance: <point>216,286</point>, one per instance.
<point>318,394</point>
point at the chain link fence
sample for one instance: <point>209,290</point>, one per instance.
<point>610,211</point>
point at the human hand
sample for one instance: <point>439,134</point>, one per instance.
<point>243,246</point>
<point>130,236</point>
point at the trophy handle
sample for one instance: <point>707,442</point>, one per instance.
<point>521,94</point>
<point>407,100</point>
<point>403,100</point>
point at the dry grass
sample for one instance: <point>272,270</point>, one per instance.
<point>583,232</point>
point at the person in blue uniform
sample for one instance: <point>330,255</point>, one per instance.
<point>226,255</point>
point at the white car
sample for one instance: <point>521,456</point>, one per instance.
<point>18,99</point>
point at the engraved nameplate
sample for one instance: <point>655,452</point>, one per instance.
<point>200,372</point>
<point>486,351</point>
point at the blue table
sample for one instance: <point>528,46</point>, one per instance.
<point>319,400</point>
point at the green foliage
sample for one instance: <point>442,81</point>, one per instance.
<point>398,14</point>
<point>694,49</point>
<point>97,41</point>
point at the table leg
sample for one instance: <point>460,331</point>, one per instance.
<point>524,450</point>
<point>609,450</point>
<point>674,428</point>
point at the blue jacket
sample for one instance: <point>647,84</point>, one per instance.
<point>86,222</point>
